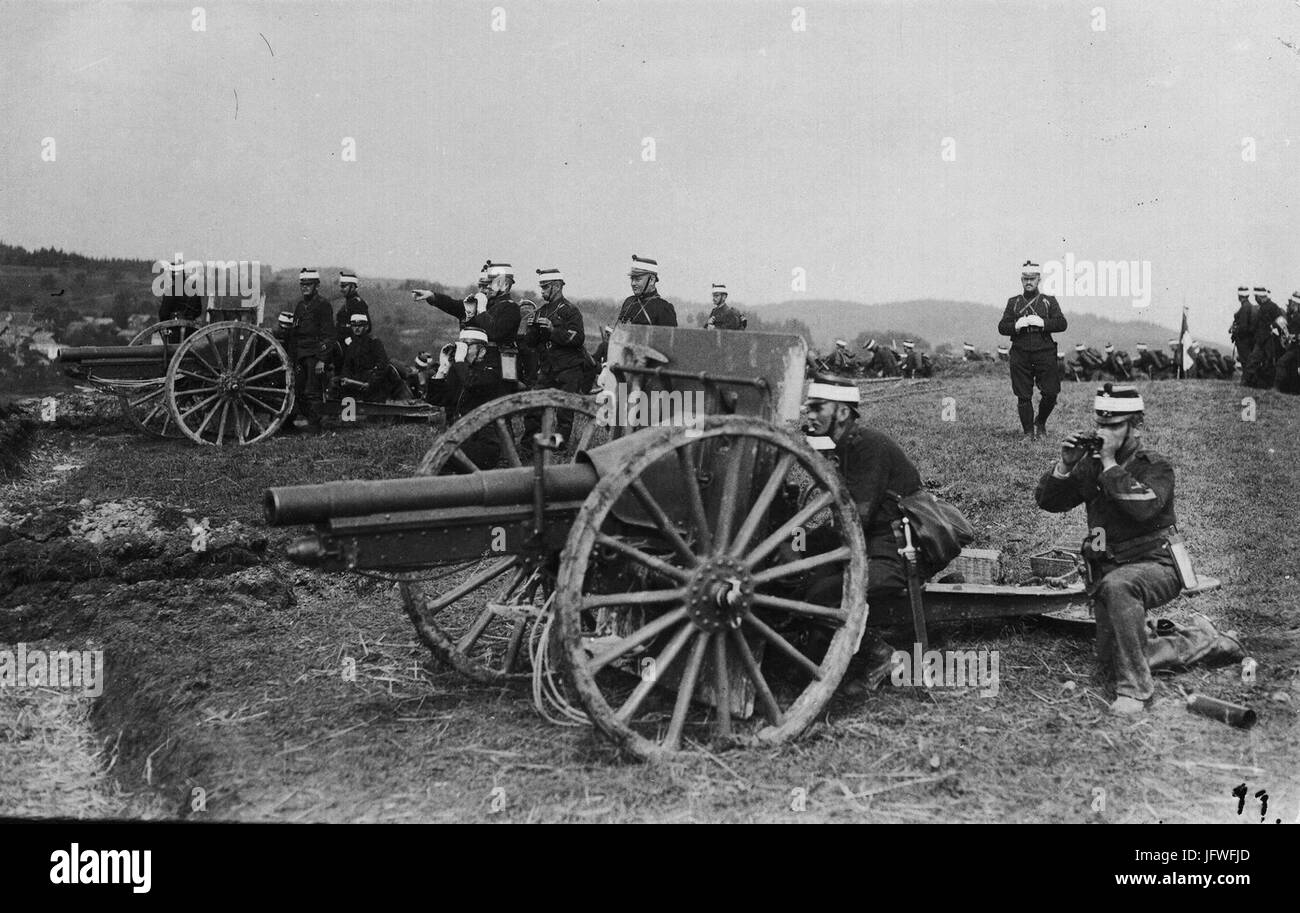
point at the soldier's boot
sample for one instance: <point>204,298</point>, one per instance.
<point>1046,403</point>
<point>1025,407</point>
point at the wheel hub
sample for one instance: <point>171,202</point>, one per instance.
<point>720,594</point>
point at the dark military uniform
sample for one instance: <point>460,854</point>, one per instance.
<point>343,325</point>
<point>312,338</point>
<point>841,361</point>
<point>917,364</point>
<point>872,465</point>
<point>725,317</point>
<point>1242,333</point>
<point>884,363</point>
<point>179,307</point>
<point>1033,355</point>
<point>1209,363</point>
<point>1268,346</point>
<point>1288,364</point>
<point>366,360</point>
<point>1156,364</point>
<point>1133,502</point>
<point>483,381</point>
<point>564,361</point>
<point>1118,365</point>
<point>652,310</point>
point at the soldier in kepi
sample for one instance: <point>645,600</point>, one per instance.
<point>353,303</point>
<point>873,466</point>
<point>313,346</point>
<point>842,361</point>
<point>367,372</point>
<point>1270,324</point>
<point>644,304</point>
<point>1288,365</point>
<point>1134,553</point>
<point>557,334</point>
<point>880,360</point>
<point>1242,332</point>
<point>1029,319</point>
<point>489,321</point>
<point>723,316</point>
<point>177,302</point>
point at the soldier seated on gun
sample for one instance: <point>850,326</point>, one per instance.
<point>1135,556</point>
<point>872,465</point>
<point>177,301</point>
<point>367,372</point>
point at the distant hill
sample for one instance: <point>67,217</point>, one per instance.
<point>956,322</point>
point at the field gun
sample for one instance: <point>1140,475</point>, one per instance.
<point>227,381</point>
<point>650,550</point>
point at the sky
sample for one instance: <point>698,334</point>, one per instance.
<point>888,151</point>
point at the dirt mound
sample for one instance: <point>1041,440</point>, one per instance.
<point>56,563</point>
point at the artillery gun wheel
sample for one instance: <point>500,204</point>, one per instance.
<point>504,418</point>
<point>146,406</point>
<point>230,383</point>
<point>481,626</point>
<point>709,606</point>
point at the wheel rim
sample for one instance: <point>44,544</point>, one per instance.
<point>713,576</point>
<point>229,383</point>
<point>479,625</point>
<point>146,407</point>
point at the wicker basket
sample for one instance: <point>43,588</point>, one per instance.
<point>976,565</point>
<point>1056,562</point>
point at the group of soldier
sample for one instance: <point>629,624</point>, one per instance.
<point>1267,339</point>
<point>877,360</point>
<point>503,344</point>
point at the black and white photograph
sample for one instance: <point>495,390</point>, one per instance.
<point>651,412</point>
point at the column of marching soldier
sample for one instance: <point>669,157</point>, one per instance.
<point>504,344</point>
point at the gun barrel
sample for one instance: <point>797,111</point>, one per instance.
<point>141,354</point>
<point>298,504</point>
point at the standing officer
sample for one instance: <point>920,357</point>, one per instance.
<point>723,316</point>
<point>313,346</point>
<point>556,333</point>
<point>1129,494</point>
<point>1242,332</point>
<point>480,370</point>
<point>1288,364</point>
<point>644,304</point>
<point>353,303</point>
<point>1270,323</point>
<point>1030,319</point>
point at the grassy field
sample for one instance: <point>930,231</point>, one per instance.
<point>224,668</point>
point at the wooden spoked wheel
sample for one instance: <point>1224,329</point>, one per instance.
<point>505,420</point>
<point>230,383</point>
<point>480,624</point>
<point>704,612</point>
<point>145,407</point>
